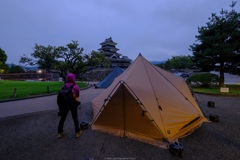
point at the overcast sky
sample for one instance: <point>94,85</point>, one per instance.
<point>159,29</point>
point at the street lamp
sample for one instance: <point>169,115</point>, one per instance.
<point>39,71</point>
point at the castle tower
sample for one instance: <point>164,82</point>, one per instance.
<point>108,48</point>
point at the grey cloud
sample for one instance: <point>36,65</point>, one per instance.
<point>157,29</point>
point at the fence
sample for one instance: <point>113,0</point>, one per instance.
<point>26,76</point>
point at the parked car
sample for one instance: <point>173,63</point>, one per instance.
<point>185,75</point>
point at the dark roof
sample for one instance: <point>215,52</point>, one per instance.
<point>108,41</point>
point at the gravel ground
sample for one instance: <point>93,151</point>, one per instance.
<point>32,136</point>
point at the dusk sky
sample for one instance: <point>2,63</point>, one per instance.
<point>159,29</point>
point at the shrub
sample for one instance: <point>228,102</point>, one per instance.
<point>203,79</point>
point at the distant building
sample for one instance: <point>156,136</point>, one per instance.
<point>108,48</point>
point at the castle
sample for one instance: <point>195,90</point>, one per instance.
<point>108,48</point>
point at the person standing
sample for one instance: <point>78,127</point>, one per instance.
<point>70,81</point>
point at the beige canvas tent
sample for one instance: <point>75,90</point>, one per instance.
<point>147,103</point>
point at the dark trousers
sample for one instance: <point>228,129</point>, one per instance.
<point>64,113</point>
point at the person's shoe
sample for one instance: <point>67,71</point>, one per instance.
<point>78,134</point>
<point>60,135</point>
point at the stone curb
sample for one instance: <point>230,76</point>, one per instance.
<point>213,94</point>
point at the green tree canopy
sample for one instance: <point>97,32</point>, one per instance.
<point>178,62</point>
<point>97,59</point>
<point>42,56</point>
<point>16,69</point>
<point>72,59</point>
<point>3,58</point>
<point>64,59</point>
<point>218,41</point>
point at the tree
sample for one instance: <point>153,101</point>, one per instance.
<point>97,59</point>
<point>16,69</point>
<point>218,41</point>
<point>178,62</point>
<point>3,59</point>
<point>72,59</point>
<point>64,59</point>
<point>43,56</point>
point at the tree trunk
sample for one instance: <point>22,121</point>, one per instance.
<point>221,70</point>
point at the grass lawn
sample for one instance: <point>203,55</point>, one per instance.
<point>233,90</point>
<point>26,89</point>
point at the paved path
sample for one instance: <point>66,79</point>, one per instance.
<point>33,136</point>
<point>19,107</point>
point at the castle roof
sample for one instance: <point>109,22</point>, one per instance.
<point>108,41</point>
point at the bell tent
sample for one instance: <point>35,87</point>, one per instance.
<point>148,104</point>
<point>107,81</point>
